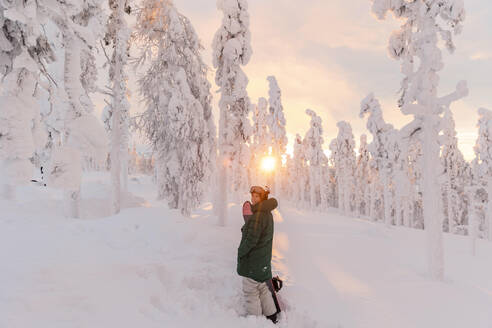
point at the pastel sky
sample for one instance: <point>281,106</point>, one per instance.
<point>329,54</point>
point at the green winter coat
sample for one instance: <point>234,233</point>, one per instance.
<point>254,255</point>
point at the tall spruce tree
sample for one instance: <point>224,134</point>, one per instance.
<point>231,50</point>
<point>175,121</point>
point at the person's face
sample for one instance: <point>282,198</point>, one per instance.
<point>255,198</point>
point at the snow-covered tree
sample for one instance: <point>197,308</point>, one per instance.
<point>261,141</point>
<point>477,205</point>
<point>231,50</point>
<point>381,132</point>
<point>80,24</point>
<point>24,53</point>
<point>454,175</point>
<point>196,70</point>
<point>344,159</point>
<point>424,23</point>
<point>276,123</point>
<point>299,174</point>
<point>363,179</point>
<point>483,160</point>
<point>332,161</point>
<point>117,35</point>
<point>174,120</point>
<point>314,155</point>
<point>398,171</point>
<point>414,153</point>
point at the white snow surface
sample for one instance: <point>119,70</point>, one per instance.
<point>150,267</point>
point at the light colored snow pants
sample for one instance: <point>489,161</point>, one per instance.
<point>259,299</point>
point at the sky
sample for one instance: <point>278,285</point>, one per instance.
<point>328,55</point>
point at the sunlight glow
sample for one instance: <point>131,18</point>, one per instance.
<point>268,164</point>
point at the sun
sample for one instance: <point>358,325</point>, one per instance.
<point>268,164</point>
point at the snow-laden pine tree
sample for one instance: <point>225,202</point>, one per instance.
<point>330,182</point>
<point>362,179</point>
<point>117,35</point>
<point>261,141</point>
<point>24,54</point>
<point>398,171</point>
<point>196,75</point>
<point>344,160</point>
<point>454,175</point>
<point>425,23</point>
<point>332,161</point>
<point>314,155</point>
<point>276,123</point>
<point>477,200</point>
<point>483,160</point>
<point>231,50</point>
<point>378,148</point>
<point>299,176</point>
<point>288,175</point>
<point>80,24</point>
<point>174,120</point>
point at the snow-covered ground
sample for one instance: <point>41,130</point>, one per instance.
<point>149,267</point>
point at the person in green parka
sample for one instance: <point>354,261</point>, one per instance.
<point>255,255</point>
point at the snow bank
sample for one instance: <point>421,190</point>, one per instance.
<point>146,267</point>
<point>150,267</point>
